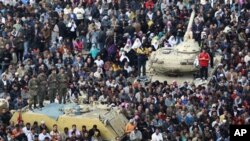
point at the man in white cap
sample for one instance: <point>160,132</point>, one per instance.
<point>43,126</point>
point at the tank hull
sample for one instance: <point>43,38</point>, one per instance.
<point>169,61</point>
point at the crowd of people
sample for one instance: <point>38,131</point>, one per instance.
<point>60,50</point>
<point>40,132</point>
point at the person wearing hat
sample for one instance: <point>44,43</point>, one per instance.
<point>52,85</point>
<point>43,126</point>
<point>33,90</point>
<point>63,82</point>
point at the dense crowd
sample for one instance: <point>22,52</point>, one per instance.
<point>40,132</point>
<point>61,50</point>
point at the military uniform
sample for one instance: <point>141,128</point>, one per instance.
<point>33,89</point>
<point>42,80</point>
<point>52,87</point>
<point>62,86</point>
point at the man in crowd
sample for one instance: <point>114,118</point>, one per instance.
<point>132,25</point>
<point>33,86</point>
<point>142,53</point>
<point>63,85</point>
<point>204,59</point>
<point>52,85</point>
<point>42,93</point>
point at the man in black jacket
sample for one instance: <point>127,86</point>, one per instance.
<point>4,85</point>
<point>93,130</point>
<point>6,58</point>
<point>5,116</point>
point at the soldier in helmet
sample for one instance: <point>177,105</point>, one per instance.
<point>63,81</point>
<point>33,89</point>
<point>42,81</point>
<point>52,85</point>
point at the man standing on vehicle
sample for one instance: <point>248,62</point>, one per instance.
<point>52,85</point>
<point>63,85</point>
<point>204,62</point>
<point>33,89</point>
<point>42,80</point>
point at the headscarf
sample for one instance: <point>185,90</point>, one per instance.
<point>172,41</point>
<point>136,44</point>
<point>155,42</point>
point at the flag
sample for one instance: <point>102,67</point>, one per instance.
<point>19,118</point>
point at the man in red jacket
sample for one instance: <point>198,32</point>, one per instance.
<point>204,62</point>
<point>149,4</point>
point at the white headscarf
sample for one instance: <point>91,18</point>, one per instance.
<point>136,44</point>
<point>155,42</point>
<point>172,41</point>
<point>128,45</point>
<point>123,56</point>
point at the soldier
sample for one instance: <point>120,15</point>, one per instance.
<point>33,89</point>
<point>52,83</point>
<point>42,81</point>
<point>63,84</point>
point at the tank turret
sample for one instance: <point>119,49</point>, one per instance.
<point>178,59</point>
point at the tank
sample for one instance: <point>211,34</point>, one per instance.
<point>109,120</point>
<point>178,59</point>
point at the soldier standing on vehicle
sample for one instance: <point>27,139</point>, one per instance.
<point>62,84</point>
<point>33,89</point>
<point>42,81</point>
<point>52,85</point>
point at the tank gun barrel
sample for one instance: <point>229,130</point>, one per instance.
<point>188,34</point>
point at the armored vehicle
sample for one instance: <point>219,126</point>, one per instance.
<point>179,59</point>
<point>108,119</point>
